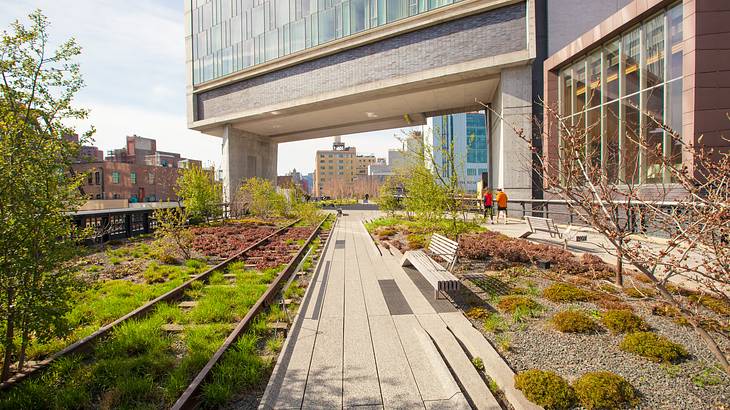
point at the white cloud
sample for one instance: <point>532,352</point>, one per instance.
<point>133,63</point>
<point>114,122</point>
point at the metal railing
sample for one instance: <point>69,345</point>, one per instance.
<point>560,211</point>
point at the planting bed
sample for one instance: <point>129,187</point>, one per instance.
<point>147,363</point>
<point>120,276</point>
<point>405,234</point>
<point>520,308</point>
<point>225,241</point>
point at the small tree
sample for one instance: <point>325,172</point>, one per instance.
<point>173,237</point>
<point>615,195</point>
<point>388,200</point>
<point>201,195</point>
<point>37,86</point>
<point>262,199</point>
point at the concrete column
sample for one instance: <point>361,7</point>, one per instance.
<point>511,159</point>
<point>245,156</point>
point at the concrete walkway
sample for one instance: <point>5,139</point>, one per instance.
<point>368,335</point>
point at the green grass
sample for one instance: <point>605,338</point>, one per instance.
<point>442,226</point>
<point>141,366</point>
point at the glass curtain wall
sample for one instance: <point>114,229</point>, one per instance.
<point>627,92</point>
<point>231,35</point>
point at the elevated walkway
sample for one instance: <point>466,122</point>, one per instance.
<point>369,335</point>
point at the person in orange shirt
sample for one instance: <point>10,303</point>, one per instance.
<point>501,205</point>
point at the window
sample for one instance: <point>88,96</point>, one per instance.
<point>133,177</point>
<point>150,178</point>
<point>115,177</point>
<point>97,178</point>
<point>91,178</point>
<point>228,35</point>
<point>622,93</point>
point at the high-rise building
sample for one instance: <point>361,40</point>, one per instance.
<point>466,135</point>
<point>337,169</point>
<point>264,72</point>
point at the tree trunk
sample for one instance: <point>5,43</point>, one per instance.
<point>23,346</point>
<point>619,279</point>
<point>9,334</point>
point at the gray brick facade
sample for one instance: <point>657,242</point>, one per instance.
<point>483,35</point>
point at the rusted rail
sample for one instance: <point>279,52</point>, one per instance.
<point>189,398</point>
<point>86,342</point>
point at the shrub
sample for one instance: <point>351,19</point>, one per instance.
<point>639,292</point>
<point>511,303</point>
<point>574,321</point>
<point>710,302</point>
<point>385,231</point>
<point>623,321</point>
<point>604,390</point>
<point>653,347</point>
<point>546,389</point>
<point>477,313</point>
<point>416,241</point>
<point>563,292</point>
<point>611,302</point>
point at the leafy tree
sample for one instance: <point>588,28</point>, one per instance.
<point>201,195</point>
<point>262,199</point>
<point>37,86</point>
<point>388,201</point>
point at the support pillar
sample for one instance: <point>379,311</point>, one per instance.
<point>511,157</point>
<point>245,156</point>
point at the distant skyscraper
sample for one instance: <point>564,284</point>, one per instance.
<point>467,132</point>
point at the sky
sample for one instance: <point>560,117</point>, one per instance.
<point>133,65</point>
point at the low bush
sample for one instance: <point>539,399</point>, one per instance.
<point>477,313</point>
<point>546,389</point>
<point>385,231</point>
<point>653,347</point>
<point>639,292</point>
<point>623,321</point>
<point>710,302</point>
<point>604,390</point>
<point>563,292</point>
<point>416,241</point>
<point>511,303</point>
<point>611,302</point>
<point>574,321</point>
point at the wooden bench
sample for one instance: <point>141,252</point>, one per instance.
<point>537,224</point>
<point>436,274</point>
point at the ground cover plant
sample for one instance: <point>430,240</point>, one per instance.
<point>604,390</point>
<point>546,389</point>
<point>537,343</point>
<point>407,234</point>
<point>574,321</point>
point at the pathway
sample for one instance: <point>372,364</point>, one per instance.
<point>368,335</point>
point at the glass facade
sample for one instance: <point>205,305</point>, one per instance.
<point>623,94</point>
<point>231,35</point>
<point>466,134</point>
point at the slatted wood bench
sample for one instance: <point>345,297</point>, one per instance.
<point>439,276</point>
<point>537,224</point>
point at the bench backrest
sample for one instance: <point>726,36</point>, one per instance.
<point>542,224</point>
<point>444,248</point>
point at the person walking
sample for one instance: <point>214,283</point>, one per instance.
<point>501,205</point>
<point>488,203</point>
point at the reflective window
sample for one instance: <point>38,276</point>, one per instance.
<point>231,35</point>
<point>622,96</point>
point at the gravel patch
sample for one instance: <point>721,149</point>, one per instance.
<point>693,384</point>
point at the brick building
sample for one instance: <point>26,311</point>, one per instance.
<point>138,172</point>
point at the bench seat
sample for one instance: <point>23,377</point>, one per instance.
<point>436,274</point>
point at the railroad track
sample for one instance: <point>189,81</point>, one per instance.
<point>190,397</point>
<point>86,344</point>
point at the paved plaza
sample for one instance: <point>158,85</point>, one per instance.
<point>370,334</point>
